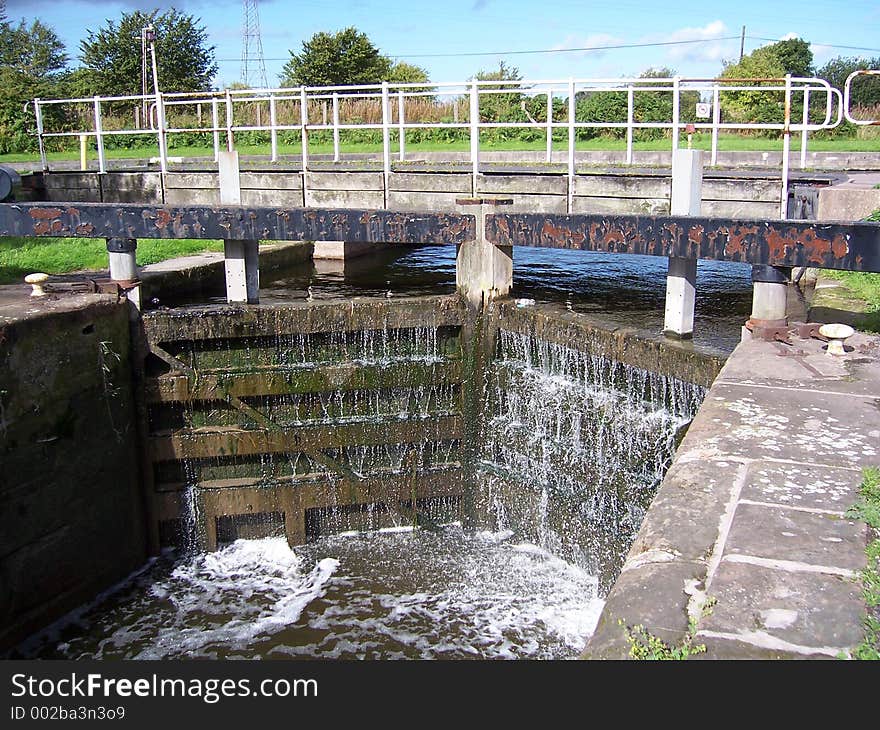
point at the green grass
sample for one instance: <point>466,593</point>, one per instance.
<point>868,510</point>
<point>726,143</point>
<point>22,256</point>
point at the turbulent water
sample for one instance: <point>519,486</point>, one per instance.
<point>384,595</point>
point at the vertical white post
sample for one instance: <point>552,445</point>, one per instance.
<point>273,123</point>
<point>100,136</point>
<point>401,124</point>
<point>806,121</point>
<point>304,123</point>
<point>630,113</point>
<point>676,111</point>
<point>215,122</point>
<point>38,113</point>
<point>681,279</point>
<point>549,126</point>
<point>386,138</point>
<point>786,150</point>
<point>571,113</point>
<point>716,120</point>
<point>335,127</point>
<point>163,139</point>
<point>241,257</point>
<point>475,137</point>
<point>230,144</point>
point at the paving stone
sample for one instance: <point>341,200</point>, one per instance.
<point>797,485</point>
<point>780,533</point>
<point>802,609</point>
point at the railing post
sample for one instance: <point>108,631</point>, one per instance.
<point>676,111</point>
<point>99,135</point>
<point>230,144</point>
<point>549,126</point>
<point>273,123</point>
<point>304,123</point>
<point>215,121</point>
<point>401,124</point>
<point>806,121</point>
<point>475,136</point>
<point>571,170</point>
<point>335,127</point>
<point>163,141</point>
<point>716,120</point>
<point>38,113</point>
<point>786,150</point>
<point>630,114</point>
<point>386,138</point>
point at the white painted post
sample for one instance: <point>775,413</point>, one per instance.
<point>230,143</point>
<point>335,127</point>
<point>386,139</point>
<point>716,120</point>
<point>215,122</point>
<point>786,150</point>
<point>549,126</point>
<point>241,257</point>
<point>304,122</point>
<point>681,279</point>
<point>401,124</point>
<point>630,113</point>
<point>163,140</point>
<point>38,113</point>
<point>100,137</point>
<point>475,137</point>
<point>571,170</point>
<point>770,295</point>
<point>676,111</point>
<point>806,121</point>
<point>273,123</point>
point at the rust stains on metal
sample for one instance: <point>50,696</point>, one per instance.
<point>854,247</point>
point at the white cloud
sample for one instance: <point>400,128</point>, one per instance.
<point>712,50</point>
<point>595,41</point>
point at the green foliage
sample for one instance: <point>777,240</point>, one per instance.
<point>754,106</point>
<point>407,73</point>
<point>33,63</point>
<point>645,646</point>
<point>864,91</point>
<point>112,57</point>
<point>339,59</point>
<point>795,56</point>
<point>503,107</point>
<point>867,509</point>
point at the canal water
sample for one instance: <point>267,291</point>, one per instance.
<point>529,585</point>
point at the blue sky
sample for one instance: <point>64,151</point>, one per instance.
<point>423,33</point>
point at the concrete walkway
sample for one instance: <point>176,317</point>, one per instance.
<point>752,513</point>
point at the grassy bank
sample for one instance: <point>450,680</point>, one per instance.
<point>868,510</point>
<point>22,256</point>
<point>726,143</point>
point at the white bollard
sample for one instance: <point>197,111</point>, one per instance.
<point>241,257</point>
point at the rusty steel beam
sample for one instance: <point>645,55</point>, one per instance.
<point>854,247</point>
<point>103,220</point>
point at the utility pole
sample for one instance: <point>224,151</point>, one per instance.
<point>742,43</point>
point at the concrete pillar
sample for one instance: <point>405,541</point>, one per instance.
<point>681,279</point>
<point>122,254</point>
<point>483,271</point>
<point>769,295</point>
<point>242,257</point>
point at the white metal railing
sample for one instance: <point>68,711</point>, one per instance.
<point>418,107</point>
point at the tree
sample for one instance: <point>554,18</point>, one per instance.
<point>794,55</point>
<point>505,107</point>
<point>111,57</point>
<point>864,91</point>
<point>345,58</point>
<point>753,106</point>
<point>33,63</point>
<point>407,73</point>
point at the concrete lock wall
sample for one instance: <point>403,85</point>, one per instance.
<point>71,522</point>
<point>643,192</point>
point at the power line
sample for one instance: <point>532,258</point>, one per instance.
<point>817,43</point>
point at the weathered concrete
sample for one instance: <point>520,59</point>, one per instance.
<point>71,520</point>
<point>752,511</point>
